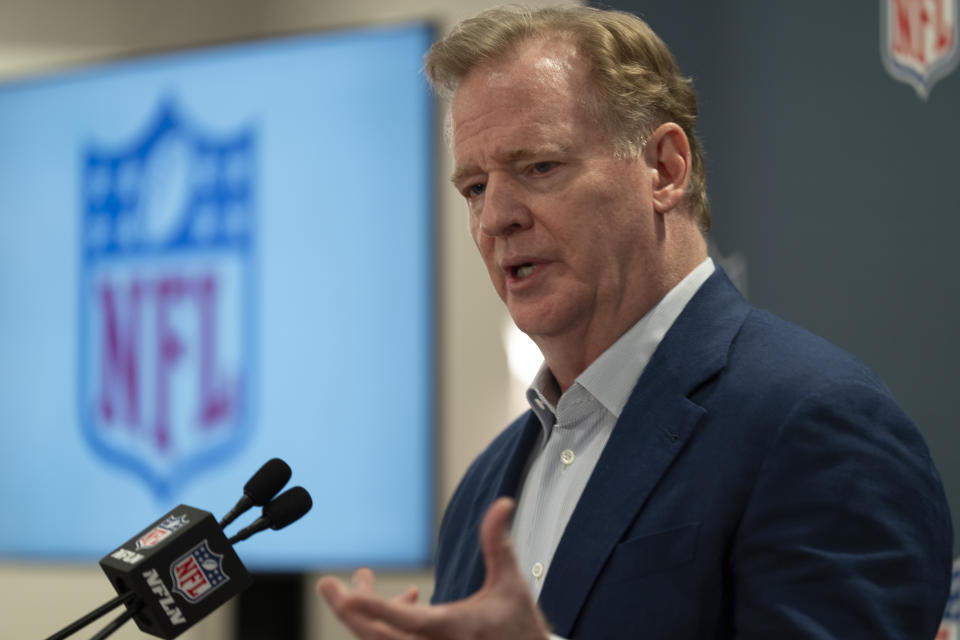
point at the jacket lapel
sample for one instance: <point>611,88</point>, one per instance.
<point>503,481</point>
<point>656,424</point>
<point>513,471</point>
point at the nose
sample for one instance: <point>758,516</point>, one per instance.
<point>505,207</point>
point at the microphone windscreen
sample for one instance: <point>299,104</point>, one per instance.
<point>289,506</point>
<point>266,482</point>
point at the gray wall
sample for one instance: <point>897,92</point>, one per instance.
<point>836,183</point>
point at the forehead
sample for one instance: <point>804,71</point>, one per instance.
<point>537,90</point>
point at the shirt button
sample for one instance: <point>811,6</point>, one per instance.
<point>567,457</point>
<point>537,570</point>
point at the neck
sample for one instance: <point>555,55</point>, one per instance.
<point>569,354</point>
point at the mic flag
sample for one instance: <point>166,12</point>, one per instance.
<point>180,568</point>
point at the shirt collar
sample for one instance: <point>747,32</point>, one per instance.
<point>611,377</point>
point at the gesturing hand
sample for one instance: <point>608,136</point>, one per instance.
<point>502,608</point>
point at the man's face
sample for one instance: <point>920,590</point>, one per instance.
<point>567,230</point>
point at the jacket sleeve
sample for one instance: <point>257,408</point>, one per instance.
<point>846,533</point>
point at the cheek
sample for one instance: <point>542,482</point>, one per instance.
<point>485,245</point>
<point>479,239</point>
<point>473,224</point>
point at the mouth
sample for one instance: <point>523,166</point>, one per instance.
<point>521,271</point>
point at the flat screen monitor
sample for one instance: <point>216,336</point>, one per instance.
<point>210,258</point>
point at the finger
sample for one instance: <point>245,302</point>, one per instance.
<point>409,595</point>
<point>364,581</point>
<point>498,555</point>
<point>416,619</point>
<point>343,603</point>
<point>366,628</point>
<point>332,590</point>
<point>376,630</point>
<point>371,629</point>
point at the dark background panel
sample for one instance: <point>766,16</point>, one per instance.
<point>836,183</point>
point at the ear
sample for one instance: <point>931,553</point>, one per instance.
<point>668,154</point>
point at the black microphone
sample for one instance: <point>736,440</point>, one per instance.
<point>260,488</point>
<point>288,507</point>
<point>186,554</point>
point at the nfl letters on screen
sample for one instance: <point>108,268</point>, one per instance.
<point>166,297</point>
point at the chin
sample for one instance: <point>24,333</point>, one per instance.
<point>523,322</point>
<point>534,324</point>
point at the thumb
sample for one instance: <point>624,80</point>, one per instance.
<point>499,558</point>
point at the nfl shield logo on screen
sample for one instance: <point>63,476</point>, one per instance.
<point>197,573</point>
<point>919,41</point>
<point>166,297</point>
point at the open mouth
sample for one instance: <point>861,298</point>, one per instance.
<point>522,270</point>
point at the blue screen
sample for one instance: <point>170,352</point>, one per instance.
<point>208,259</point>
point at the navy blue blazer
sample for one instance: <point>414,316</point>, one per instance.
<point>760,483</point>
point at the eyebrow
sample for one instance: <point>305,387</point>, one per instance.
<point>509,157</point>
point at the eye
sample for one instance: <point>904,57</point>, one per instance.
<point>474,190</point>
<point>542,167</point>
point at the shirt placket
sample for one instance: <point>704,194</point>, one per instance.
<point>557,457</point>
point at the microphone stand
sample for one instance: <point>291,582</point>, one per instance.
<point>100,611</point>
<point>116,623</point>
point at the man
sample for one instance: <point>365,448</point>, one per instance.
<point>690,467</point>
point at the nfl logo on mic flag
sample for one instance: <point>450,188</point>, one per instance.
<point>919,41</point>
<point>161,531</point>
<point>198,572</point>
<point>166,297</point>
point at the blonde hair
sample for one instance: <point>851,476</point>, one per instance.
<point>637,82</point>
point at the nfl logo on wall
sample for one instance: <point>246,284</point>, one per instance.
<point>166,298</point>
<point>919,41</point>
<point>198,573</point>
